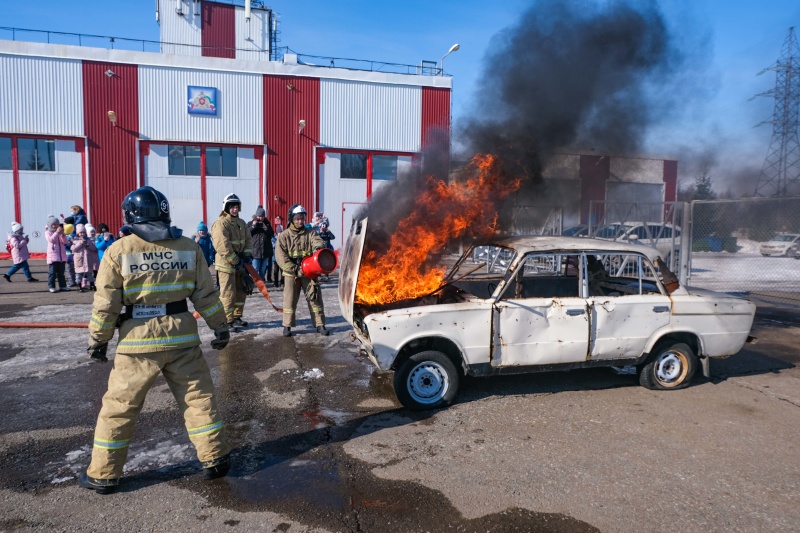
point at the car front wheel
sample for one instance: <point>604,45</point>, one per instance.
<point>426,380</point>
<point>670,366</point>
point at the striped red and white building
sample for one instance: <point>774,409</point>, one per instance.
<point>85,126</point>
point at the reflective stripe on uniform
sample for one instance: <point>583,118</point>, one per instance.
<point>102,324</point>
<point>111,444</point>
<point>158,341</point>
<point>147,288</point>
<point>205,430</point>
<point>211,310</point>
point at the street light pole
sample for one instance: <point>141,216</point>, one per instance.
<point>453,48</point>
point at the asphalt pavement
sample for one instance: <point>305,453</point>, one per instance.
<point>321,443</point>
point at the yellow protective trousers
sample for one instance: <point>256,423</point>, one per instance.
<point>189,380</point>
<point>291,295</point>
<point>231,294</point>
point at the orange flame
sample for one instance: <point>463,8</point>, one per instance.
<point>460,207</point>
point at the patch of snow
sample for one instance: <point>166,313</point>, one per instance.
<point>314,373</point>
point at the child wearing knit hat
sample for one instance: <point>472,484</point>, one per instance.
<point>84,252</point>
<point>203,239</point>
<point>56,254</point>
<point>18,242</point>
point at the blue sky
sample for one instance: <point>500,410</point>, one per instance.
<point>735,39</point>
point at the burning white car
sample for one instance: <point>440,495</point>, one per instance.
<point>529,304</point>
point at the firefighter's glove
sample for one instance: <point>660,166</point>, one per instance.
<point>239,265</point>
<point>97,352</point>
<point>312,291</point>
<point>221,338</point>
<point>247,259</point>
<point>246,283</point>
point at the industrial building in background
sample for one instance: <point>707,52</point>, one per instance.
<point>780,175</point>
<point>205,114</point>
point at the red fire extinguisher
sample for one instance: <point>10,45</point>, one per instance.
<point>323,261</point>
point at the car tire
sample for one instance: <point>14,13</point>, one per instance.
<point>670,366</point>
<point>765,255</point>
<point>426,380</point>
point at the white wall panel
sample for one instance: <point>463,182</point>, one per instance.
<point>182,30</point>
<point>637,170</point>
<point>7,214</point>
<point>46,193</point>
<point>41,95</point>
<point>253,35</point>
<point>370,116</point>
<point>340,199</point>
<point>183,192</point>
<point>563,167</point>
<point>244,185</point>
<point>163,106</point>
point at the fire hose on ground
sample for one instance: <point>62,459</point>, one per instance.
<point>323,261</point>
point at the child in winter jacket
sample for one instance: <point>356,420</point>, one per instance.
<point>18,242</point>
<point>69,231</point>
<point>92,233</point>
<point>326,234</point>
<point>103,240</point>
<point>203,239</point>
<point>84,253</point>
<point>56,254</point>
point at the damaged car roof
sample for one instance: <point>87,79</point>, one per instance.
<point>546,243</point>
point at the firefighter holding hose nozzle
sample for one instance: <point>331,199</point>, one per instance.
<point>152,272</point>
<point>294,244</point>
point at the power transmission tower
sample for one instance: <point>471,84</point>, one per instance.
<point>780,175</point>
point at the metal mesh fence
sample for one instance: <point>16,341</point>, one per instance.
<point>749,247</point>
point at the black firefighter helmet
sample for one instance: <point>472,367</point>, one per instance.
<point>145,204</point>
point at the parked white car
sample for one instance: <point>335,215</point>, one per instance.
<point>663,237</point>
<point>781,244</point>
<point>528,304</point>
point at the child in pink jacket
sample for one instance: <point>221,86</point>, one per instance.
<point>56,254</point>
<point>84,253</point>
<point>19,252</point>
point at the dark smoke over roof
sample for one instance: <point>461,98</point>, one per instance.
<point>574,75</point>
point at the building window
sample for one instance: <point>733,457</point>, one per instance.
<point>384,167</point>
<point>184,160</point>
<point>5,153</point>
<point>220,161</point>
<point>37,154</point>
<point>354,166</point>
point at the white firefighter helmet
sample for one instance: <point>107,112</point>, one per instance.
<point>229,201</point>
<point>296,209</point>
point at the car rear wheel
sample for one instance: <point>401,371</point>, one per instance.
<point>671,366</point>
<point>426,380</point>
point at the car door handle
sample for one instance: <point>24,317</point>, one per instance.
<point>575,312</point>
<point>661,309</point>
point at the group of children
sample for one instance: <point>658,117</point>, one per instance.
<point>74,251</point>
<point>75,248</point>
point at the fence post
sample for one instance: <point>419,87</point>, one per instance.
<point>686,244</point>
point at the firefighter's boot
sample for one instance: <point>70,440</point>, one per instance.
<point>217,468</point>
<point>101,486</point>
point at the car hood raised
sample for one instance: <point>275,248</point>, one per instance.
<point>350,265</point>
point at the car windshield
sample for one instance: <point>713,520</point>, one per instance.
<point>784,238</point>
<point>611,231</point>
<point>482,262</point>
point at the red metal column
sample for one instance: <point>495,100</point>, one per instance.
<point>203,181</point>
<point>218,33</point>
<point>290,152</point>
<point>435,119</point>
<point>80,147</point>
<point>112,147</point>
<point>15,179</point>
<point>594,172</point>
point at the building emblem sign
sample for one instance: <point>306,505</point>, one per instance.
<point>202,100</point>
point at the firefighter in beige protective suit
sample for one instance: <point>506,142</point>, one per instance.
<point>152,273</point>
<point>294,244</point>
<point>234,245</point>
